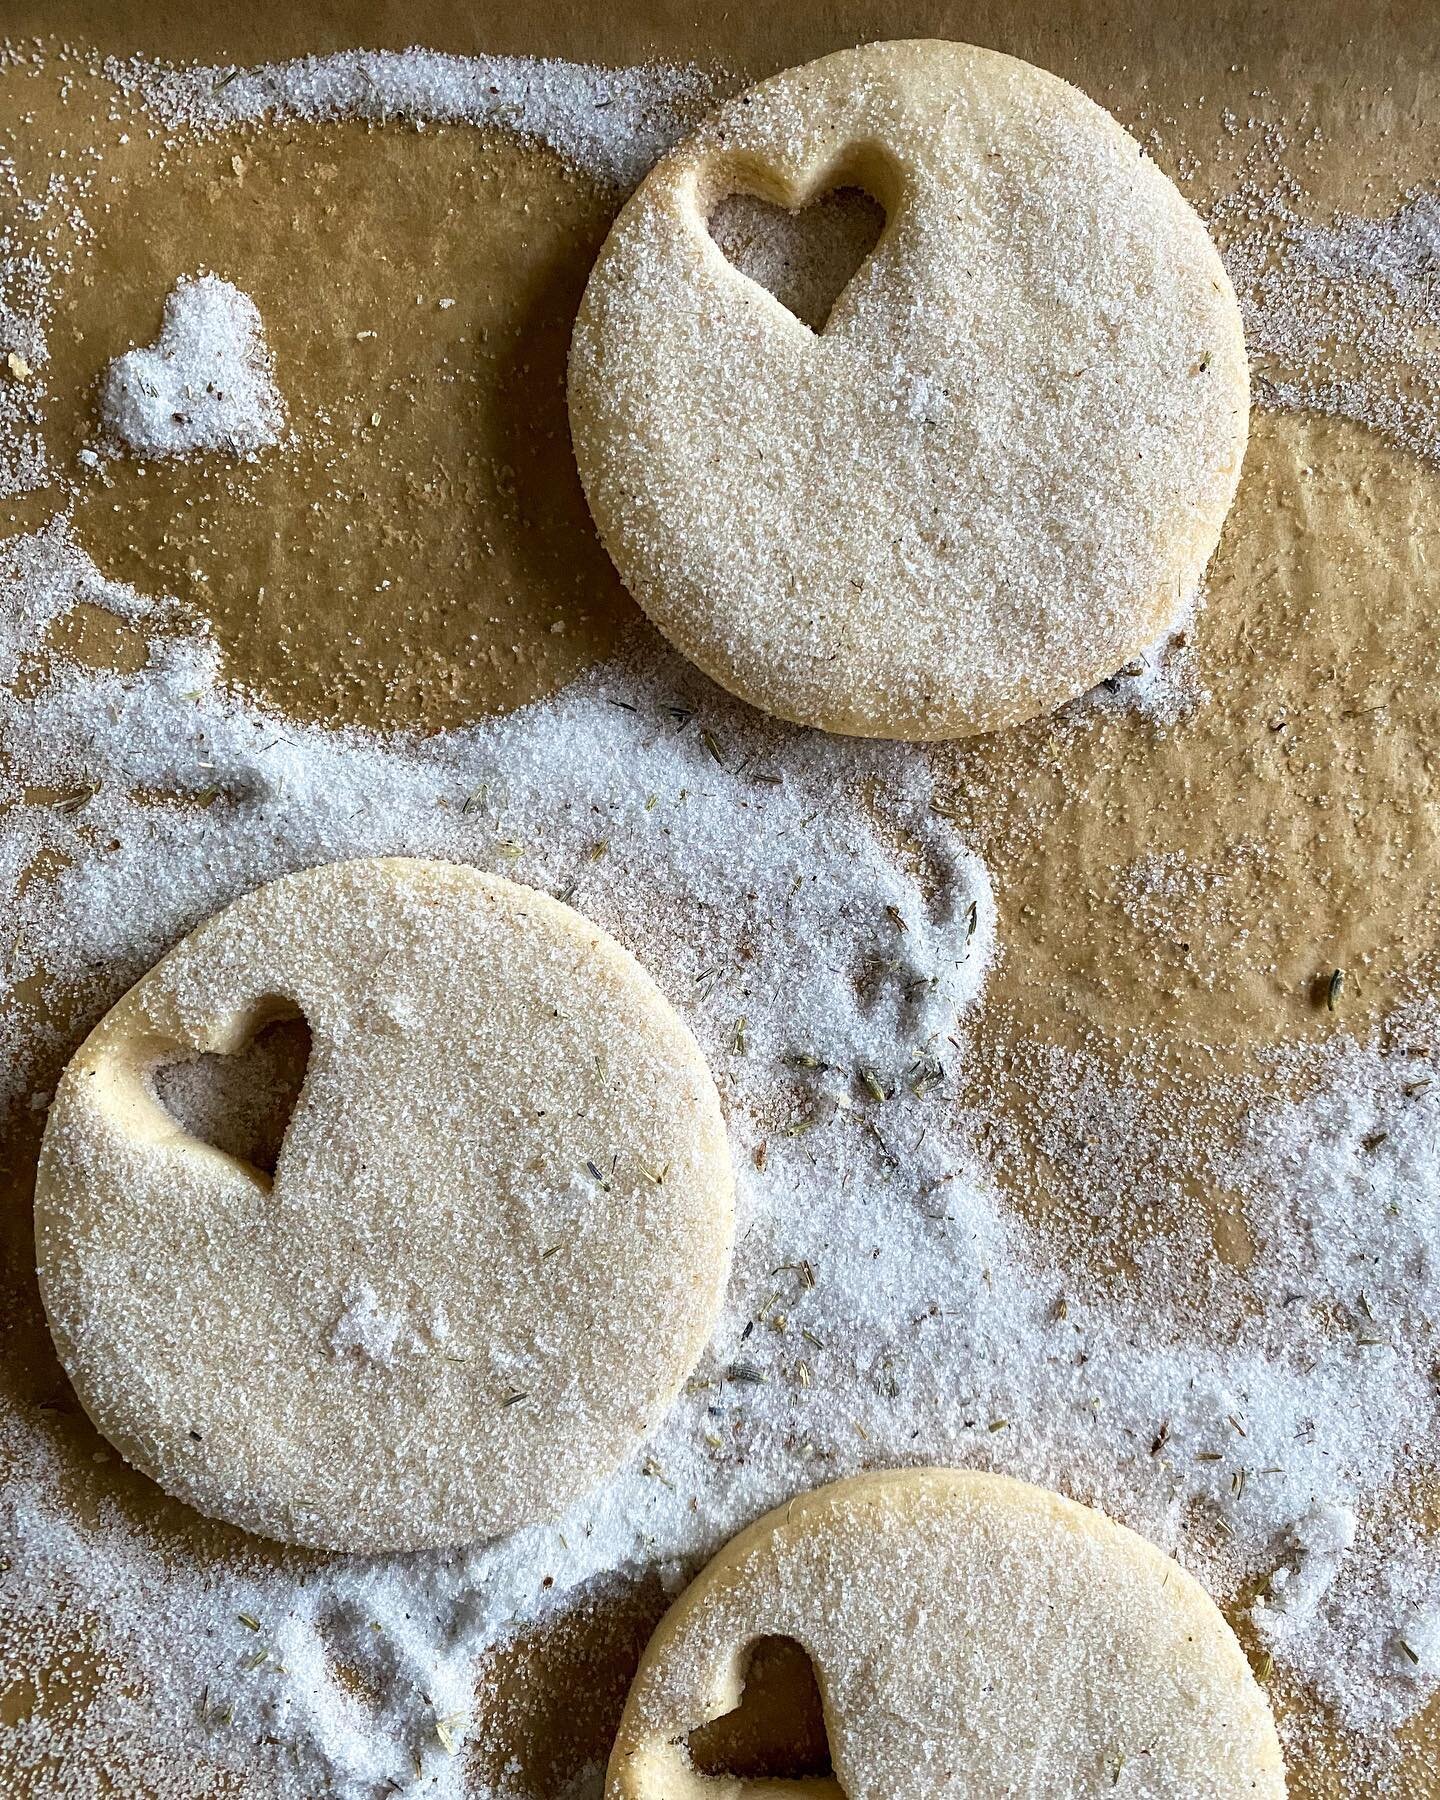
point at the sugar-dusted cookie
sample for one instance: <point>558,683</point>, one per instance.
<point>971,1636</point>
<point>494,1245</point>
<point>996,474</point>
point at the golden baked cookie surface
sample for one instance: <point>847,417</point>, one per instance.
<point>494,1244</point>
<point>970,1634</point>
<point>995,475</point>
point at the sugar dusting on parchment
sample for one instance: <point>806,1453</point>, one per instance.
<point>827,937</point>
<point>1342,315</point>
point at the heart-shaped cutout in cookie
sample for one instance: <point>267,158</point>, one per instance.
<point>805,256</point>
<point>242,1103</point>
<point>775,1740</point>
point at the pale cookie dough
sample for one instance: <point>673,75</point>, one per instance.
<point>998,472</point>
<point>971,1636</point>
<point>496,1240</point>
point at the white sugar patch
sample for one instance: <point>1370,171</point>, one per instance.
<point>45,575</point>
<point>24,356</point>
<point>206,383</point>
<point>772,895</point>
<point>1160,683</point>
<point>1342,316</point>
<point>614,122</point>
<point>368,1330</point>
<point>1317,1544</point>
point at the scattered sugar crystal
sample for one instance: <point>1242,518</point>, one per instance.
<point>1317,1545</point>
<point>370,1332</point>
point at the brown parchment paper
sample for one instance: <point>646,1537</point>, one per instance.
<point>1319,642</point>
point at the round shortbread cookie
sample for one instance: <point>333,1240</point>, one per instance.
<point>998,472</point>
<point>971,1635</point>
<point>494,1246</point>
